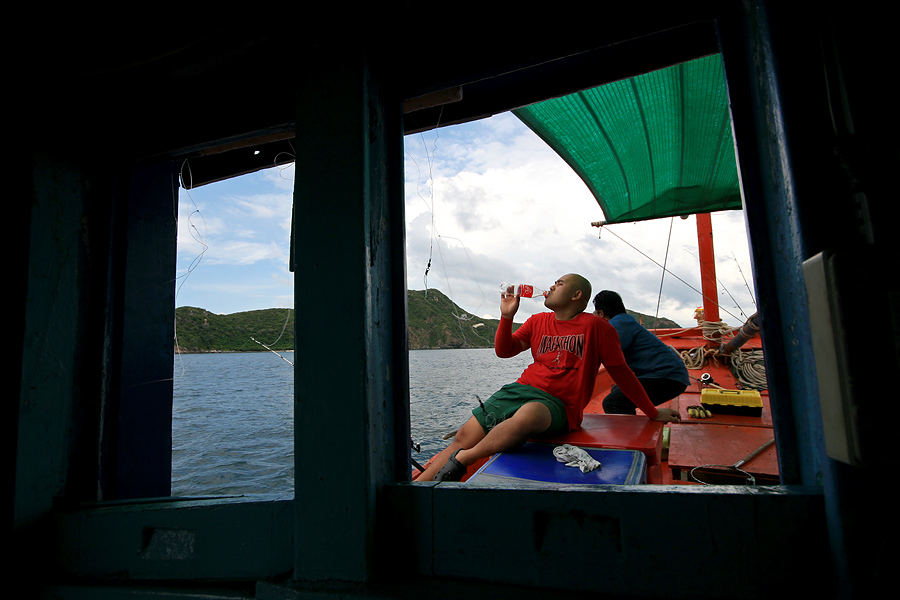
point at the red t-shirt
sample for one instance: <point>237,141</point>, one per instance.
<point>567,355</point>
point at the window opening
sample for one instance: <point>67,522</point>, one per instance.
<point>488,201</point>
<point>232,424</point>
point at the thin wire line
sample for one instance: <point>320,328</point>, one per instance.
<point>669,272</point>
<point>661,279</point>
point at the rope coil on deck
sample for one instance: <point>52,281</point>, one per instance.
<point>747,365</point>
<point>749,368</point>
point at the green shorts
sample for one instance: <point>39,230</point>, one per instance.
<point>511,397</point>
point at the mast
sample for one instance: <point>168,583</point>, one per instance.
<point>707,268</point>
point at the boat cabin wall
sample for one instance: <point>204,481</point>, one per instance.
<point>90,434</point>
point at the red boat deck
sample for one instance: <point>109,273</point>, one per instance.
<point>708,446</point>
<point>715,449</point>
<point>699,450</point>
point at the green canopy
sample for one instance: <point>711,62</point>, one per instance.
<point>655,145</point>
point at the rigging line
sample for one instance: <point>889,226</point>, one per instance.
<point>430,211</point>
<point>747,285</point>
<point>429,207</point>
<point>449,291</point>
<point>661,279</point>
<point>419,194</point>
<point>272,351</point>
<point>479,336</point>
<point>736,304</point>
<point>469,258</point>
<point>195,235</point>
<point>668,271</point>
<point>435,236</point>
<point>287,166</point>
<point>284,328</point>
<point>194,232</point>
<point>727,291</point>
<point>430,162</point>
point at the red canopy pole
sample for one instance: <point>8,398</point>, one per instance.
<point>707,268</point>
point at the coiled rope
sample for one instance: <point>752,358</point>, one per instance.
<point>746,365</point>
<point>749,368</point>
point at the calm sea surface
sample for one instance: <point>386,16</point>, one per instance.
<point>232,423</point>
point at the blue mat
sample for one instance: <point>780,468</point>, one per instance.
<point>534,463</point>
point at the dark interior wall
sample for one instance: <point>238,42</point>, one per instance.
<point>815,150</point>
<point>96,387</point>
<point>105,136</point>
<point>53,438</point>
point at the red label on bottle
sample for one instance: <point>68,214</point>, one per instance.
<point>526,291</point>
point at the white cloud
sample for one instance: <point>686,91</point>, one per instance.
<point>246,253</point>
<point>486,202</point>
<point>514,211</point>
<point>260,206</point>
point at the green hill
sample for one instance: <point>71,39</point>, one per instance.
<point>198,330</point>
<point>434,322</point>
<point>651,322</point>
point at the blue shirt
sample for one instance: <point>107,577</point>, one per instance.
<point>645,353</point>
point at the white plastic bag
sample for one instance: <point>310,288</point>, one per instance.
<point>575,457</point>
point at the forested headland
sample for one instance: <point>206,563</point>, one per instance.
<point>434,322</point>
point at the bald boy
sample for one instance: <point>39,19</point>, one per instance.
<point>568,346</point>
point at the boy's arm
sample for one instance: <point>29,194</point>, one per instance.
<point>505,345</point>
<point>629,384</point>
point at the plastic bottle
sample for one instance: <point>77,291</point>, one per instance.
<point>524,290</point>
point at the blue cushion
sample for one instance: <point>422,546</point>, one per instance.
<point>534,463</point>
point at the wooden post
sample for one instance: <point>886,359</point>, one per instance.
<point>350,378</point>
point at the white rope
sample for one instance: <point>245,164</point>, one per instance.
<point>716,330</point>
<point>749,368</point>
<point>696,358</point>
<point>746,365</point>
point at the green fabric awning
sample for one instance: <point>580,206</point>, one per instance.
<point>652,146</point>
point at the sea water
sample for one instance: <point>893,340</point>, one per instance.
<point>232,422</point>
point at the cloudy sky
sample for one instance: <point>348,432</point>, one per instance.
<point>486,202</point>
